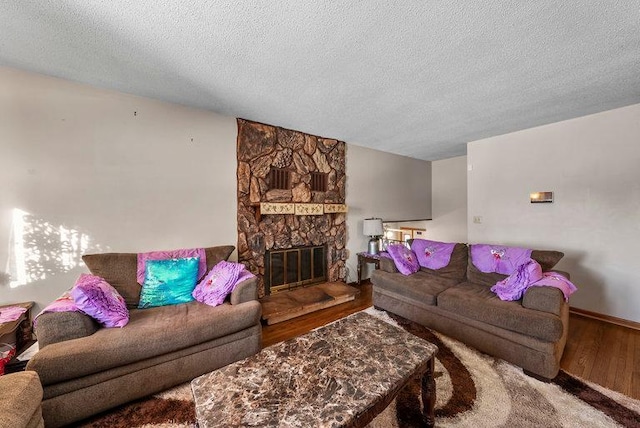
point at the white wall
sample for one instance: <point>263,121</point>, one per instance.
<point>382,185</point>
<point>449,200</point>
<point>78,157</point>
<point>124,171</point>
<point>592,164</point>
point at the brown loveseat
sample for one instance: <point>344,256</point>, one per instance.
<point>456,300</point>
<point>86,369</point>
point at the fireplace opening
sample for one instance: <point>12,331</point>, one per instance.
<point>294,267</point>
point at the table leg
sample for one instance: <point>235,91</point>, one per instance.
<point>359,270</point>
<point>429,394</point>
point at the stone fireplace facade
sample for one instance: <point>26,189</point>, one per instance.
<point>261,148</point>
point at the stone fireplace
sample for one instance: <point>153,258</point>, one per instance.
<point>279,165</point>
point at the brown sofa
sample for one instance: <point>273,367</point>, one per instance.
<point>86,369</point>
<point>456,301</point>
<point>20,398</point>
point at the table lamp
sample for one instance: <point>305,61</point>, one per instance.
<point>372,227</point>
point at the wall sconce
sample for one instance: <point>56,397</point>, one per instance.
<point>541,197</point>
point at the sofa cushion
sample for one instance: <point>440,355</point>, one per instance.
<point>546,258</point>
<point>120,270</point>
<point>477,302</point>
<point>457,267</point>
<point>421,286</point>
<point>150,332</point>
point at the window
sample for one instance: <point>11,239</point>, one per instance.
<point>318,182</point>
<point>279,179</point>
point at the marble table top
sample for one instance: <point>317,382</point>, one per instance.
<point>326,378</point>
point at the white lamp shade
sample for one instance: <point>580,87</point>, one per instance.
<point>372,227</point>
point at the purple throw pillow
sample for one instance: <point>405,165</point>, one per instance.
<point>220,282</point>
<point>405,260</point>
<point>554,279</point>
<point>172,254</point>
<point>432,254</point>
<point>498,258</point>
<point>96,298</point>
<point>514,286</point>
<point>243,275</point>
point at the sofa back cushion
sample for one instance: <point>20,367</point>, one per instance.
<point>457,267</point>
<point>546,258</point>
<point>120,270</point>
<point>217,254</point>
<point>432,254</point>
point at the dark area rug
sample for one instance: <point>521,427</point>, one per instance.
<point>473,390</point>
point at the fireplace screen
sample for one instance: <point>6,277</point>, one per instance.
<point>294,267</point>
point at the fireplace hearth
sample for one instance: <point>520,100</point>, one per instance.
<point>294,267</point>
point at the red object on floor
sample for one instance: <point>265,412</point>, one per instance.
<point>6,354</point>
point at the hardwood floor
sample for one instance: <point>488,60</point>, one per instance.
<point>603,353</point>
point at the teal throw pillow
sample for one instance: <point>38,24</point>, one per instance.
<point>169,282</point>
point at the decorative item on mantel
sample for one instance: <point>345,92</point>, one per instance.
<point>372,227</point>
<point>335,208</point>
<point>277,208</point>
<point>309,209</point>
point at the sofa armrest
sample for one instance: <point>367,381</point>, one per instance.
<point>245,291</point>
<point>20,405</point>
<point>387,265</point>
<point>53,327</point>
<point>545,299</point>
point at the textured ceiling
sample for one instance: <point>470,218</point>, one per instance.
<point>417,78</point>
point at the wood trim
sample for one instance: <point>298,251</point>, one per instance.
<point>606,318</point>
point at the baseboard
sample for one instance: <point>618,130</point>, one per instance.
<point>606,318</point>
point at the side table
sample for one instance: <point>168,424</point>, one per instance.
<point>18,333</point>
<point>364,258</point>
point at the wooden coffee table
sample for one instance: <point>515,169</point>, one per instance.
<point>340,375</point>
